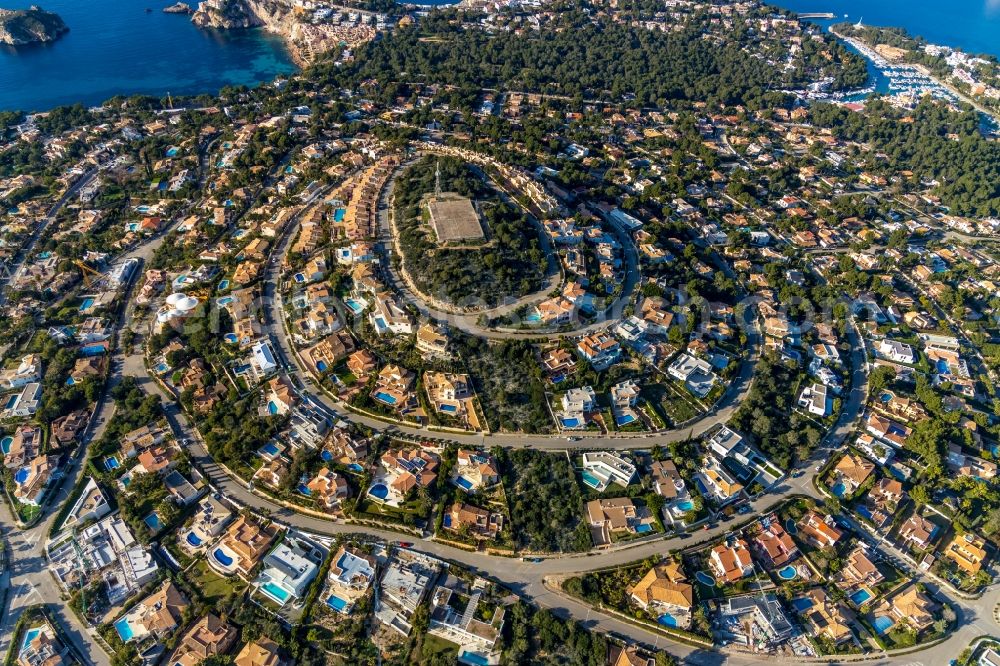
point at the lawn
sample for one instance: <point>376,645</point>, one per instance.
<point>211,585</point>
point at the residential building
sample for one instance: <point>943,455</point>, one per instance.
<point>731,561</point>
<point>819,530</point>
<point>665,592</point>
<point>774,545</point>
<point>479,522</point>
<point>287,571</point>
<point>208,637</point>
<point>602,468</point>
<point>600,349</point>
<point>967,551</point>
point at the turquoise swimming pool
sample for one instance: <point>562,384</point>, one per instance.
<point>276,592</point>
<point>124,629</point>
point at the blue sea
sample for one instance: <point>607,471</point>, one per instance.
<point>115,47</point>
<point>971,25</point>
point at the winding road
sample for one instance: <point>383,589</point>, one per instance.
<point>28,580</point>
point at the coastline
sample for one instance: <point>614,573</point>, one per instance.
<point>867,50</point>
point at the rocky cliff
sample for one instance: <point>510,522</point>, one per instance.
<point>228,14</point>
<point>30,26</point>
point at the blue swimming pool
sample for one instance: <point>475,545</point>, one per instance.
<point>860,597</point>
<point>644,528</point>
<point>225,300</point>
<point>686,505</point>
<point>272,407</point>
<point>802,604</point>
<point>379,491</point>
<point>326,455</point>
<point>667,620</point>
<point>705,579</point>
<point>86,305</point>
<point>5,444</point>
<point>172,151</point>
<point>882,624</point>
<point>321,366</point>
<point>92,350</point>
<point>591,480</point>
<point>474,658</point>
<point>382,396</point>
<point>111,464</point>
<point>231,338</point>
<point>571,422</point>
<point>276,592</point>
<point>338,214</point>
<point>787,573</point>
<point>153,521</point>
<point>624,419</point>
<point>463,482</point>
<point>355,467</point>
<point>533,317</point>
<point>29,636</point>
<point>221,557</point>
<point>124,629</point>
<point>10,401</point>
<point>193,540</point>
<point>299,277</point>
<point>446,521</point>
<point>270,449</point>
<point>356,308</point>
<point>304,489</point>
<point>224,285</point>
<point>451,409</point>
<point>21,475</point>
<point>838,489</point>
<point>336,603</point>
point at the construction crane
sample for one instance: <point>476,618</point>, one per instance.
<point>91,276</point>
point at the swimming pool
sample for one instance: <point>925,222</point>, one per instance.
<point>11,400</point>
<point>224,285</point>
<point>225,300</point>
<point>446,521</point>
<point>882,624</point>
<point>838,489</point>
<point>686,505</point>
<point>790,526</point>
<point>338,215</point>
<point>299,277</point>
<point>356,307</point>
<point>704,578</point>
<point>474,658</point>
<point>276,592</point>
<point>152,521</point>
<point>29,636</point>
<point>93,350</point>
<point>193,540</point>
<point>463,482</point>
<point>379,491</point>
<point>5,444</point>
<point>270,449</point>
<point>87,304</point>
<point>326,455</point>
<point>787,573</point>
<point>355,467</point>
<point>124,629</point>
<point>860,597</point>
<point>231,338</point>
<point>802,604</point>
<point>624,419</point>
<point>222,558</point>
<point>667,620</point>
<point>450,409</point>
<point>533,317</point>
<point>172,151</point>
<point>382,396</point>
<point>304,489</point>
<point>111,464</point>
<point>643,528</point>
<point>591,480</point>
<point>571,423</point>
<point>272,407</point>
<point>21,475</point>
<point>336,603</point>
